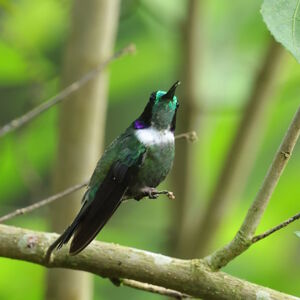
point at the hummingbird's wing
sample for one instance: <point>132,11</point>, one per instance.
<point>105,199</point>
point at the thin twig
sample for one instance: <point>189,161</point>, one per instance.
<point>276,228</point>
<point>280,161</point>
<point>242,152</point>
<point>68,191</point>
<point>169,194</point>
<point>190,136</point>
<point>243,238</point>
<point>154,289</point>
<point>76,85</point>
<point>43,202</point>
<point>153,195</point>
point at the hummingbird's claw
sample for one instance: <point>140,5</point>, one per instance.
<point>153,193</point>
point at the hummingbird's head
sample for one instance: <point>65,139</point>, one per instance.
<point>160,111</point>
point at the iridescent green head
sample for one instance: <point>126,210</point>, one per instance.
<point>160,111</point>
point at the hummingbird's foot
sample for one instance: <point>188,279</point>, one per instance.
<point>151,193</point>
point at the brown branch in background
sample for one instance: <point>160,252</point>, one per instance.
<point>192,277</point>
<point>189,136</point>
<point>27,209</point>
<point>244,236</point>
<point>182,182</point>
<point>91,40</point>
<point>276,228</point>
<point>154,289</point>
<point>242,153</point>
<point>70,89</point>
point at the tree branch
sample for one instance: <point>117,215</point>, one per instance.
<point>242,152</point>
<point>188,119</point>
<point>191,277</point>
<point>27,209</point>
<point>70,89</point>
<point>154,289</point>
<point>244,236</point>
<point>276,228</point>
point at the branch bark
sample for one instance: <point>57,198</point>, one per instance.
<point>243,238</point>
<point>242,153</point>
<point>192,277</point>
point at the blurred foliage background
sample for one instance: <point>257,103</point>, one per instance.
<point>233,42</point>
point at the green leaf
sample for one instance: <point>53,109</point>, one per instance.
<point>297,233</point>
<point>283,20</point>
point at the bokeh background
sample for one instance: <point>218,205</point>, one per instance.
<point>230,51</point>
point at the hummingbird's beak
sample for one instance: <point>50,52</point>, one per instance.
<point>171,92</point>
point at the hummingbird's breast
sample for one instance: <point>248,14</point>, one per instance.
<point>159,157</point>
<point>154,137</point>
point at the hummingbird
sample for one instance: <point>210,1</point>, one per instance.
<point>132,166</point>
